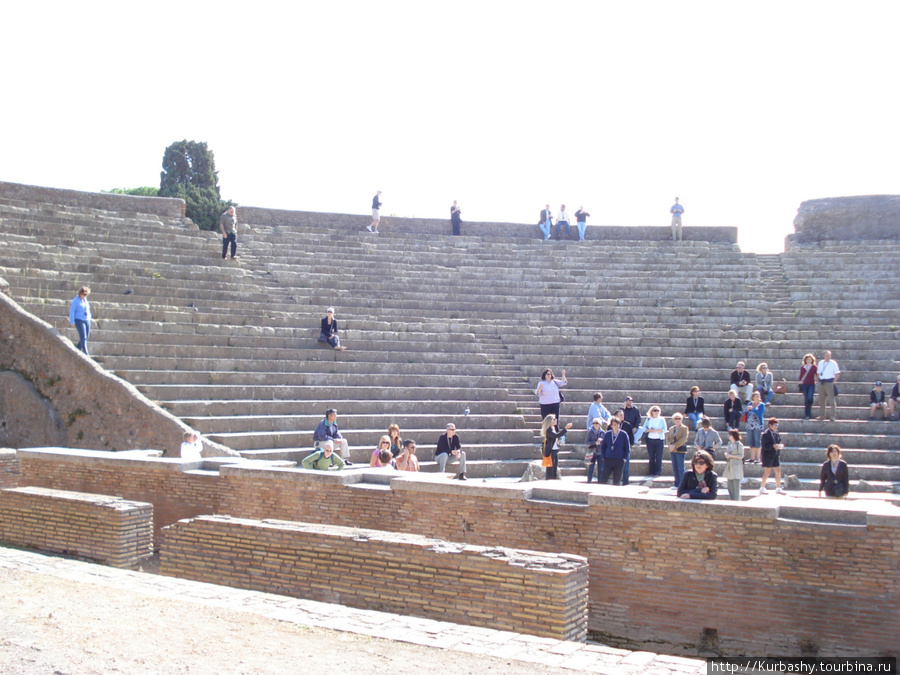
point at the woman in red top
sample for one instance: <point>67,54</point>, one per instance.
<point>808,383</point>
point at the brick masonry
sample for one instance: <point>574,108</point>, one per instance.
<point>104,529</point>
<point>9,468</point>
<point>751,577</point>
<point>534,593</point>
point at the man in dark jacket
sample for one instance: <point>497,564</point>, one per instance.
<point>449,449</point>
<point>615,449</point>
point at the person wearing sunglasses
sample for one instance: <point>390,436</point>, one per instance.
<point>701,482</point>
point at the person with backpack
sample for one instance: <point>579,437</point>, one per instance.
<point>323,459</point>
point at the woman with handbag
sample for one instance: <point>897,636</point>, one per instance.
<point>808,384</point>
<point>754,416</point>
<point>834,479</point>
<point>550,434</point>
<point>548,393</point>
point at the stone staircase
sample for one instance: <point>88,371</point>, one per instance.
<point>436,325</point>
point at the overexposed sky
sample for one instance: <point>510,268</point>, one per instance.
<point>743,110</point>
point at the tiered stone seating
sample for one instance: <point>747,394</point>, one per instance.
<point>437,324</point>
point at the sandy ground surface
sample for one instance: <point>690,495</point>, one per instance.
<point>57,626</point>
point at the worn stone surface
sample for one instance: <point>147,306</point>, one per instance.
<point>20,401</point>
<point>848,219</point>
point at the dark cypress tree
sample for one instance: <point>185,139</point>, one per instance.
<point>189,172</point>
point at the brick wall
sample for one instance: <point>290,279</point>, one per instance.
<point>164,207</point>
<point>112,531</point>
<point>755,577</point>
<point>9,468</point>
<point>526,592</point>
<point>254,215</point>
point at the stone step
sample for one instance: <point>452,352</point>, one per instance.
<point>168,392</point>
<point>449,410</point>
<point>412,425</point>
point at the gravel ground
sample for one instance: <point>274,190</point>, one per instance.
<point>56,626</point>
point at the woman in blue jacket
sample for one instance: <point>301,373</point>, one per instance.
<point>80,317</point>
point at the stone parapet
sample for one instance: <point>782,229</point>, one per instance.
<point>9,468</point>
<point>104,529</point>
<point>279,218</point>
<point>847,219</point>
<point>522,591</point>
<point>164,207</point>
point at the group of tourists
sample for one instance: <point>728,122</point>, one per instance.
<point>610,437</point>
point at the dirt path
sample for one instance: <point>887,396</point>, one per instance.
<point>56,626</point>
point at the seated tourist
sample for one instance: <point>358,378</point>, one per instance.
<point>191,446</point>
<point>707,438</point>
<point>329,330</point>
<point>327,430</point>
<point>894,402</point>
<point>740,382</point>
<point>877,403</point>
<point>701,482</point>
<point>694,407</point>
<point>450,450</point>
<point>396,441</point>
<point>323,459</point>
<point>385,460</point>
<point>733,411</point>
<point>407,460</point>
<point>763,381</point>
<point>383,444</point>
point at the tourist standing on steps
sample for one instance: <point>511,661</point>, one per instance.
<point>807,382</point>
<point>598,410</point>
<point>546,222</point>
<point>701,482</point>
<point>677,439</point>
<point>734,464</point>
<point>563,219</point>
<point>707,438</point>
<point>676,211</point>
<point>694,407</point>
<point>328,330</point>
<point>615,449</point>
<point>376,214</point>
<point>80,317</point>
<point>228,226</point>
<point>771,457</point>
<point>581,217</point>
<point>550,434</point>
<point>655,427</point>
<point>755,414</point>
<point>449,449</point>
<point>740,382</point>
<point>834,478</point>
<point>327,430</point>
<point>631,424</point>
<point>827,375</point>
<point>548,393</point>
<point>456,219</point>
<point>592,440</point>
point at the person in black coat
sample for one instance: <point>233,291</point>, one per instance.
<point>550,433</point>
<point>701,482</point>
<point>834,479</point>
<point>329,330</point>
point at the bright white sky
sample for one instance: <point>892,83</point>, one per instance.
<point>742,109</point>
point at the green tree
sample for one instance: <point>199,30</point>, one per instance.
<point>189,172</point>
<point>138,191</point>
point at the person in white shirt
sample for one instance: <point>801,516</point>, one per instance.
<point>563,219</point>
<point>598,410</point>
<point>191,446</point>
<point>676,211</point>
<point>827,375</point>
